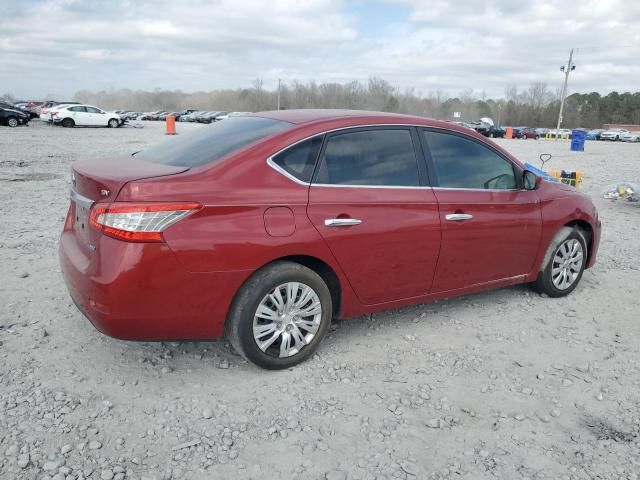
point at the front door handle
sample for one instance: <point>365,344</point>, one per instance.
<point>341,222</point>
<point>458,217</point>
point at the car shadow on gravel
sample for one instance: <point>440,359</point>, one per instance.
<point>203,355</point>
<point>440,310</point>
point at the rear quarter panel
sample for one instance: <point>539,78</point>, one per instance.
<point>229,233</point>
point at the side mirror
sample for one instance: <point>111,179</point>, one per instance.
<point>529,180</point>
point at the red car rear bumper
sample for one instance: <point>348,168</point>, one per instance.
<point>139,291</point>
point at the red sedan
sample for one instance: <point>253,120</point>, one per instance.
<point>262,228</point>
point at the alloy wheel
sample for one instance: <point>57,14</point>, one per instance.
<point>567,264</point>
<point>287,319</point>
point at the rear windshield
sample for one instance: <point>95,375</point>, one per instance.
<point>210,143</point>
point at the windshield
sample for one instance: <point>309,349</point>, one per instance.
<point>208,144</point>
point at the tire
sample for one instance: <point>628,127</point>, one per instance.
<point>265,290</point>
<point>13,122</point>
<point>68,123</point>
<point>491,135</point>
<point>537,137</point>
<point>570,243</point>
<point>113,123</point>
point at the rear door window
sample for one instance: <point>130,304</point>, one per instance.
<point>376,157</point>
<point>210,143</point>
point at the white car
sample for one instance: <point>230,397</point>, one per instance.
<point>631,137</point>
<point>45,112</point>
<point>615,134</point>
<point>84,116</point>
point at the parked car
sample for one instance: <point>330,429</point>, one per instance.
<point>594,134</point>
<point>190,117</point>
<point>21,107</point>
<point>11,116</point>
<point>47,105</point>
<point>542,131</point>
<point>631,137</point>
<point>159,116</point>
<point>207,117</point>
<point>128,114</point>
<point>613,134</point>
<point>45,112</point>
<point>84,116</point>
<point>563,133</point>
<point>493,132</point>
<point>526,132</point>
<point>262,228</point>
<point>487,130</point>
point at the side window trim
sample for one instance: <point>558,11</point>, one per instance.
<point>416,147</point>
<point>517,172</point>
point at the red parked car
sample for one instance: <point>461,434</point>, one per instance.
<point>528,132</point>
<point>262,228</point>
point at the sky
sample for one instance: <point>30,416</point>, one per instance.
<point>57,47</point>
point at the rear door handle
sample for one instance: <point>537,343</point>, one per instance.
<point>458,217</point>
<point>341,222</point>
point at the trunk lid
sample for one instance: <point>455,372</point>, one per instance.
<point>100,181</point>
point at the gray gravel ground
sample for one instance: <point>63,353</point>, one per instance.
<point>505,384</point>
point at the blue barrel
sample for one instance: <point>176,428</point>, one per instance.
<point>577,140</point>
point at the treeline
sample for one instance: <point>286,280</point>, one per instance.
<point>536,106</point>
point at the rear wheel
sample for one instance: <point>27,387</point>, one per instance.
<point>68,123</point>
<point>566,260</point>
<point>12,122</point>
<point>113,123</point>
<point>280,316</point>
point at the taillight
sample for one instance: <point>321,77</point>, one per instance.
<point>139,222</point>
<point>53,113</point>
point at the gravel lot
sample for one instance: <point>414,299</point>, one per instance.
<point>505,384</point>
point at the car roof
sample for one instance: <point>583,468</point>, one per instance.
<point>305,116</point>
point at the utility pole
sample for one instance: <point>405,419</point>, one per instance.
<point>567,69</point>
<point>278,94</point>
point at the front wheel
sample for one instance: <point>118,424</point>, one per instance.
<point>566,260</point>
<point>113,123</point>
<point>12,122</point>
<point>280,315</point>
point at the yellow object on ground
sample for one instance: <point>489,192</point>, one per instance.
<point>576,182</point>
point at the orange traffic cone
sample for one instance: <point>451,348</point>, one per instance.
<point>171,125</point>
<point>509,133</point>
